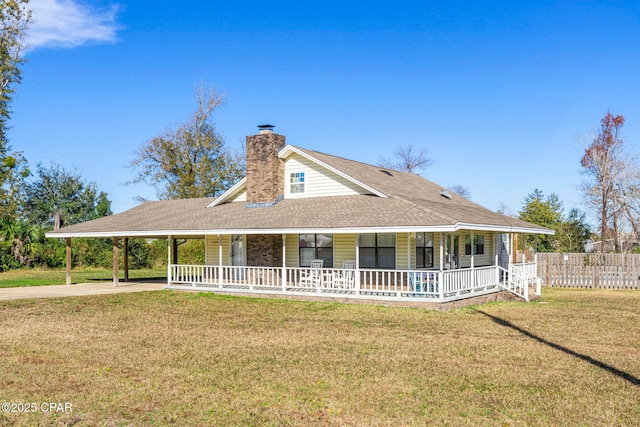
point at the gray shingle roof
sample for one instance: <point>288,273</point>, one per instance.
<point>412,202</point>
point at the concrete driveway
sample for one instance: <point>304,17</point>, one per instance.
<point>78,290</point>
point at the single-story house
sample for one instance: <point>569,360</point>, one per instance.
<point>304,222</point>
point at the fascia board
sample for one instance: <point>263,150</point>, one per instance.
<point>229,193</point>
<point>503,229</point>
<point>303,230</point>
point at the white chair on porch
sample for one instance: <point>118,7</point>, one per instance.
<point>416,282</point>
<point>345,278</point>
<point>313,276</point>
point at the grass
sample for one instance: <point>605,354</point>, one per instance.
<point>167,357</point>
<point>43,277</point>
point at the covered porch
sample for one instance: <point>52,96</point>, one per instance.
<point>431,286</point>
<point>427,266</point>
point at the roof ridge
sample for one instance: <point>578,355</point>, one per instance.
<point>351,160</point>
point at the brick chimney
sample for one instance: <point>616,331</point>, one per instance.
<point>265,184</point>
<point>265,171</point>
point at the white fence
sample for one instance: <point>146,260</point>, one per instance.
<point>437,286</point>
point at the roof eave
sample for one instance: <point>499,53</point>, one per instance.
<point>302,230</point>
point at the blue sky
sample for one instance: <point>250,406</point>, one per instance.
<point>499,92</point>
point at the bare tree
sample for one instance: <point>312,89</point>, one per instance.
<point>407,159</point>
<point>612,185</point>
<point>191,160</point>
<point>461,191</point>
<point>504,209</point>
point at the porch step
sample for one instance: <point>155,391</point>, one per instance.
<point>532,293</point>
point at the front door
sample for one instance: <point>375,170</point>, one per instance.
<point>237,257</point>
<point>454,253</point>
<point>451,244</point>
<point>237,250</point>
<point>502,244</point>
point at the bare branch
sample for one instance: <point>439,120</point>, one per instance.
<point>407,159</point>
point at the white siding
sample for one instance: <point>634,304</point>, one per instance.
<point>319,182</point>
<point>402,251</point>
<point>291,243</point>
<point>479,260</point>
<point>344,248</point>
<point>211,250</point>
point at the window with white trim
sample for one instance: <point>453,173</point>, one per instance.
<point>297,182</point>
<point>315,246</point>
<point>424,250</point>
<point>378,250</point>
<point>478,243</point>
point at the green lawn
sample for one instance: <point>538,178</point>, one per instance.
<point>193,359</point>
<point>39,277</point>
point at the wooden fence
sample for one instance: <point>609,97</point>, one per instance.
<point>596,270</point>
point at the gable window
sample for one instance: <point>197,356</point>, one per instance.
<point>297,182</point>
<point>315,246</point>
<point>424,250</point>
<point>378,250</point>
<point>478,243</point>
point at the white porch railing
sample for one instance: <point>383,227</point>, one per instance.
<point>435,286</point>
<point>530,268</point>
<point>530,271</point>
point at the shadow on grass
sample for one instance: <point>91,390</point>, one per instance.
<point>617,372</point>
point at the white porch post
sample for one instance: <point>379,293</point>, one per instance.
<point>453,251</point>
<point>473,253</point>
<point>510,238</point>
<point>68,261</point>
<point>409,237</point>
<point>441,272</point>
<point>220,271</point>
<point>441,251</point>
<point>169,260</point>
<point>283,279</point>
<point>357,264</point>
<point>496,254</point>
<point>524,249</point>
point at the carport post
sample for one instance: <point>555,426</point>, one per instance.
<point>68,261</point>
<point>126,259</point>
<point>115,261</point>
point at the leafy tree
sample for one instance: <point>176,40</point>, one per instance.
<point>17,238</point>
<point>15,19</point>
<point>15,171</point>
<point>60,197</point>
<point>544,211</point>
<point>407,158</point>
<point>573,232</point>
<point>191,160</point>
